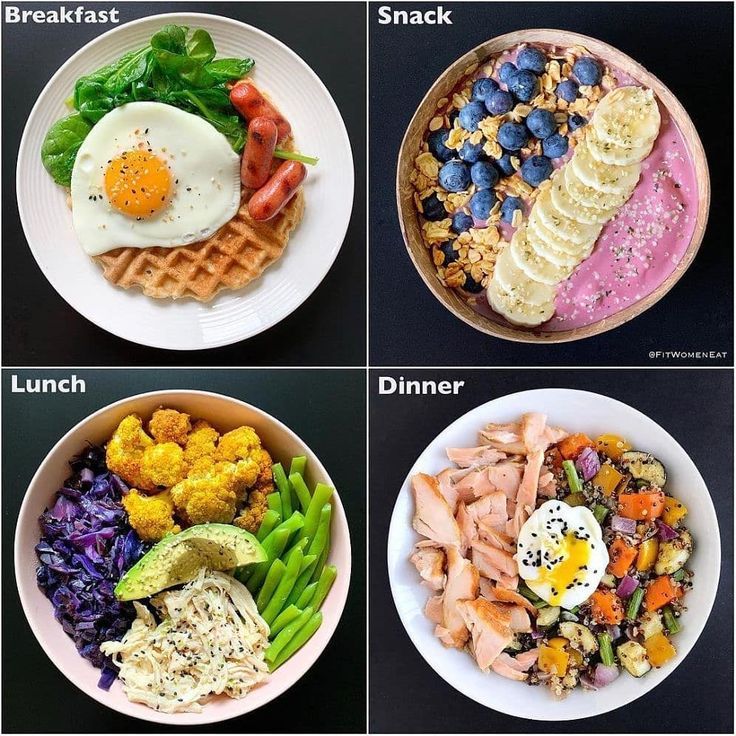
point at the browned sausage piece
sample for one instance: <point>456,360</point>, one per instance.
<point>250,103</point>
<point>256,164</point>
<point>270,199</point>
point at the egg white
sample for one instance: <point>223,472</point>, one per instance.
<point>206,170</point>
<point>561,554</point>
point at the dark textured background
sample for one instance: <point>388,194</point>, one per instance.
<point>326,409</point>
<point>678,43</point>
<point>40,328</point>
<point>695,407</point>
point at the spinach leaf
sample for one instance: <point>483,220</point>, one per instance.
<point>131,71</point>
<point>171,38</point>
<point>60,147</point>
<point>91,100</point>
<point>215,97</point>
<point>200,47</point>
<point>187,72</point>
<point>227,70</point>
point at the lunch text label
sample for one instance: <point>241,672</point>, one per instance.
<point>72,385</point>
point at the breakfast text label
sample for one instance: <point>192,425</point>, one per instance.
<point>71,385</point>
<point>437,17</point>
<point>63,15</point>
<point>405,387</point>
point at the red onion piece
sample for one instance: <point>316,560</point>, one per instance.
<point>588,463</point>
<point>665,532</point>
<point>623,525</point>
<point>614,632</point>
<point>537,635</point>
<point>605,675</point>
<point>627,586</point>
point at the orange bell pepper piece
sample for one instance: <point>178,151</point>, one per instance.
<point>573,445</point>
<point>606,607</point>
<point>622,557</point>
<point>641,506</point>
<point>660,592</point>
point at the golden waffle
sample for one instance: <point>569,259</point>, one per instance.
<point>237,253</point>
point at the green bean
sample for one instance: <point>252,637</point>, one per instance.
<point>308,563</point>
<point>323,586</point>
<point>278,599</point>
<point>632,609</point>
<point>298,465</point>
<point>274,545</point>
<point>301,490</point>
<point>302,581</point>
<point>287,634</point>
<point>315,551</point>
<point>292,524</point>
<point>307,595</point>
<point>298,641</point>
<point>270,519</point>
<point>573,479</point>
<point>284,619</point>
<point>604,640</point>
<point>670,622</point>
<point>274,503</point>
<point>600,512</point>
<point>273,578</point>
<point>282,484</point>
<point>321,496</point>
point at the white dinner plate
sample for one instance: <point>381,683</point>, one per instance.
<point>575,411</point>
<point>232,315</point>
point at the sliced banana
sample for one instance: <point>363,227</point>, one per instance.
<point>512,280</point>
<point>610,153</point>
<point>588,196</point>
<point>567,228</point>
<point>627,117</point>
<point>569,207</point>
<point>619,180</point>
<point>533,265</point>
<point>515,310</point>
<point>542,247</point>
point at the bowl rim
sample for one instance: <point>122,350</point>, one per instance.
<point>503,330</point>
<point>398,528</point>
<point>24,586</point>
<point>349,183</point>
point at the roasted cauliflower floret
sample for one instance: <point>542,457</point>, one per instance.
<point>125,452</point>
<point>169,425</point>
<point>201,445</point>
<point>239,444</point>
<point>250,518</point>
<point>162,466</point>
<point>210,496</point>
<point>151,516</point>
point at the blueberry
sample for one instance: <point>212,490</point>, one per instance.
<point>509,206</point>
<point>506,71</point>
<point>437,147</point>
<point>524,85</point>
<point>576,121</point>
<point>449,252</point>
<point>536,169</point>
<point>481,204</point>
<point>567,90</point>
<point>555,146</point>
<point>587,70</point>
<point>505,166</point>
<point>483,88</point>
<point>433,209</point>
<point>471,152</point>
<point>513,136</point>
<point>541,123</point>
<point>499,102</point>
<point>532,59</point>
<point>472,114</point>
<point>455,176</point>
<point>471,285</point>
<point>484,175</point>
<point>461,222</point>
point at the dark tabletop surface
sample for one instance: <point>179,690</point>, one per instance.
<point>327,409</point>
<point>409,326</point>
<point>40,328</point>
<point>405,693</point>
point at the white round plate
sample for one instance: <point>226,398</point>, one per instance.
<point>231,316</point>
<point>224,413</point>
<point>575,411</point>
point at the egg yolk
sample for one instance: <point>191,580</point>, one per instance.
<point>573,554</point>
<point>138,184</point>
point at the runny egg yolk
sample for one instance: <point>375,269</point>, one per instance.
<point>568,561</point>
<point>138,183</point>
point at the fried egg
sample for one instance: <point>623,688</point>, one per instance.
<point>561,554</point>
<point>149,174</point>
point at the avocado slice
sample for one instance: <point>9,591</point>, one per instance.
<point>178,558</point>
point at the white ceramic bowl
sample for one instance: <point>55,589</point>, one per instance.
<point>224,413</point>
<point>232,315</point>
<point>576,411</point>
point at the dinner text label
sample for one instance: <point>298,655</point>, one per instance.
<point>438,17</point>
<point>72,385</point>
<point>80,14</point>
<point>404,387</point>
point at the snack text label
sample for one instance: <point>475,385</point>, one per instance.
<point>64,15</point>
<point>437,17</point>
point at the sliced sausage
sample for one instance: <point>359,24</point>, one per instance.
<point>256,164</point>
<point>250,103</point>
<point>270,199</point>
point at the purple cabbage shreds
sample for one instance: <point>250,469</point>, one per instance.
<point>85,547</point>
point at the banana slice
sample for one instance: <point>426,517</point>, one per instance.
<point>588,196</point>
<point>610,153</point>
<point>515,282</point>
<point>627,117</point>
<point>565,228</point>
<point>569,207</point>
<point>604,177</point>
<point>515,310</point>
<point>545,249</point>
<point>533,265</point>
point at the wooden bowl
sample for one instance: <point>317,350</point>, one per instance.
<point>410,146</point>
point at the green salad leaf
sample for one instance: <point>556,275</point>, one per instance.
<point>60,147</point>
<point>200,47</point>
